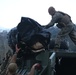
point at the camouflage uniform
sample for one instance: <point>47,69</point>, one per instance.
<point>66,26</point>
<point>67,30</point>
<point>55,19</point>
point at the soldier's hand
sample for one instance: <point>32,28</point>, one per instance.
<point>17,49</point>
<point>34,66</point>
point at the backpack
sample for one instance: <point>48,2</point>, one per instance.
<point>64,14</point>
<point>30,32</point>
<point>59,20</point>
<point>61,25</point>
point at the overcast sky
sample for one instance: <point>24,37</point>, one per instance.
<point>11,11</point>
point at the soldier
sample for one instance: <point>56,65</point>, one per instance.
<point>12,67</point>
<point>64,22</point>
<point>56,17</point>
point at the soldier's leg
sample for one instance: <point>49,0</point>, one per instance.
<point>63,44</point>
<point>61,35</point>
<point>58,39</point>
<point>57,42</point>
<point>72,35</point>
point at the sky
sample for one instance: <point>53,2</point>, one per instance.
<point>11,11</point>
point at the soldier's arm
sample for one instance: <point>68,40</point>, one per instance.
<point>32,71</point>
<point>14,57</point>
<point>54,20</point>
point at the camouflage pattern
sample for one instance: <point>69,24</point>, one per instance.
<point>66,26</point>
<point>68,29</point>
<point>55,19</point>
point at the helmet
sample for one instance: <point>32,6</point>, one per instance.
<point>51,10</point>
<point>12,67</point>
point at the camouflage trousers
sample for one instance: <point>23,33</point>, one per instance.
<point>68,30</point>
<point>72,35</point>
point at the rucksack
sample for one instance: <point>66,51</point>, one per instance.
<point>61,25</point>
<point>30,32</point>
<point>64,14</point>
